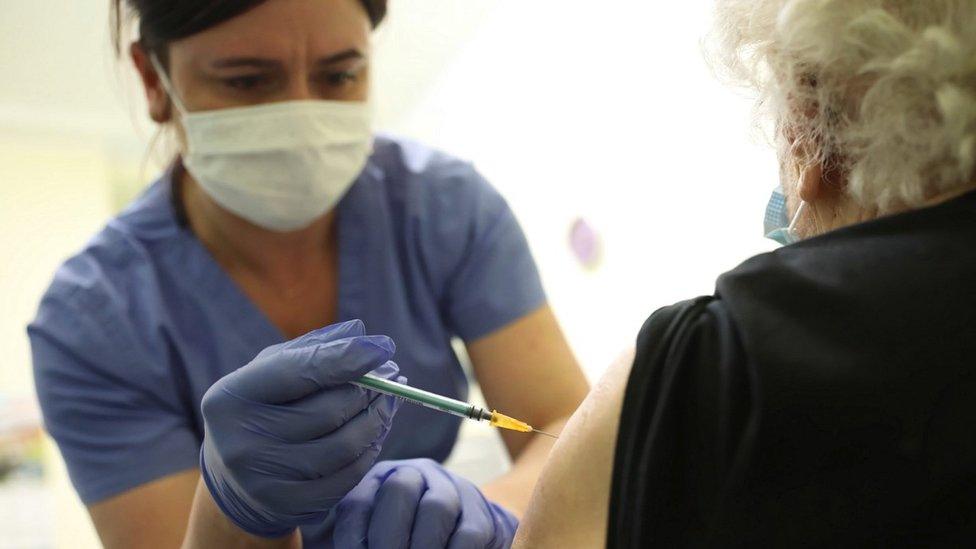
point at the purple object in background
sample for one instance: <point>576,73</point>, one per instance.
<point>585,243</point>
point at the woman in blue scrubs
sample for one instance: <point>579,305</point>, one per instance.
<point>281,216</point>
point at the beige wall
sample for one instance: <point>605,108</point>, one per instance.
<point>53,195</point>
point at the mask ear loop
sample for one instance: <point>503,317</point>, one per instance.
<point>167,85</point>
<point>791,230</point>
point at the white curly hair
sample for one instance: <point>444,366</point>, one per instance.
<point>882,90</point>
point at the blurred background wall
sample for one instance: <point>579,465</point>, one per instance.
<point>601,111</point>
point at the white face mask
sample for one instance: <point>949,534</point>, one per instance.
<point>277,165</point>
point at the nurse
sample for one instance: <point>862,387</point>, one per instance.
<point>282,216</point>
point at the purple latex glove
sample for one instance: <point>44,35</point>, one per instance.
<point>286,436</point>
<point>416,503</point>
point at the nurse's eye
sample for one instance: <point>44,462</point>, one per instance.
<point>339,79</point>
<point>246,82</point>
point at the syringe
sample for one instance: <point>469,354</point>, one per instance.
<point>444,404</point>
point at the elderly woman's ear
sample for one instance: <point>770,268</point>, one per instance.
<point>824,179</point>
<point>811,183</point>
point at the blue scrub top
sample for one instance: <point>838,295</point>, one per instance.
<point>136,327</point>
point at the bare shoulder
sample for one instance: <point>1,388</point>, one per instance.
<point>569,505</point>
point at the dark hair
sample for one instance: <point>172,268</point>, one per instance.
<point>164,21</point>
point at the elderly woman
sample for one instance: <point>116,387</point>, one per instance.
<point>825,393</point>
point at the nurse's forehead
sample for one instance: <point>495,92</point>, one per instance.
<point>283,30</point>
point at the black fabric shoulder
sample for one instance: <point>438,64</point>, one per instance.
<point>816,401</point>
<point>686,427</point>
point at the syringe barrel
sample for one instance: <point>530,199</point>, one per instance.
<point>423,398</point>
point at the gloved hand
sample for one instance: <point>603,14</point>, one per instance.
<point>286,437</point>
<point>416,503</point>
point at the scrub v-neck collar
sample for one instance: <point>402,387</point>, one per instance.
<point>251,324</point>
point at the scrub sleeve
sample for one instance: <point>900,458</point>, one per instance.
<point>115,410</point>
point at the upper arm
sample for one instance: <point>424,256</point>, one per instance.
<point>112,407</point>
<point>489,294</point>
<point>569,505</point>
<point>648,457</point>
<point>478,257</point>
<point>151,515</point>
<point>526,370</point>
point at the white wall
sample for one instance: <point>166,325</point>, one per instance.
<point>607,110</point>
<point>52,196</point>
<point>65,134</point>
<point>572,108</point>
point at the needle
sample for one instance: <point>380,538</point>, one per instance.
<point>544,433</point>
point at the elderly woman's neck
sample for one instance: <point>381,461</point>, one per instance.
<point>833,212</point>
<point>947,196</point>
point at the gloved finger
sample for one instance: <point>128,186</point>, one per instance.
<point>293,373</point>
<point>351,328</point>
<point>329,492</point>
<point>476,528</point>
<point>309,417</point>
<point>325,455</point>
<point>318,414</point>
<point>391,521</point>
<point>342,330</point>
<point>352,513</point>
<point>387,370</point>
<point>437,513</point>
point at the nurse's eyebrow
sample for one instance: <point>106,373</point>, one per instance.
<point>263,63</point>
<point>251,62</point>
<point>351,53</point>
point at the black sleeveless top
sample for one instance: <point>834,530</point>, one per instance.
<point>825,395</point>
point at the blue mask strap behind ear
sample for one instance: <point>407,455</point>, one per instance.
<point>777,223</point>
<point>776,216</point>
